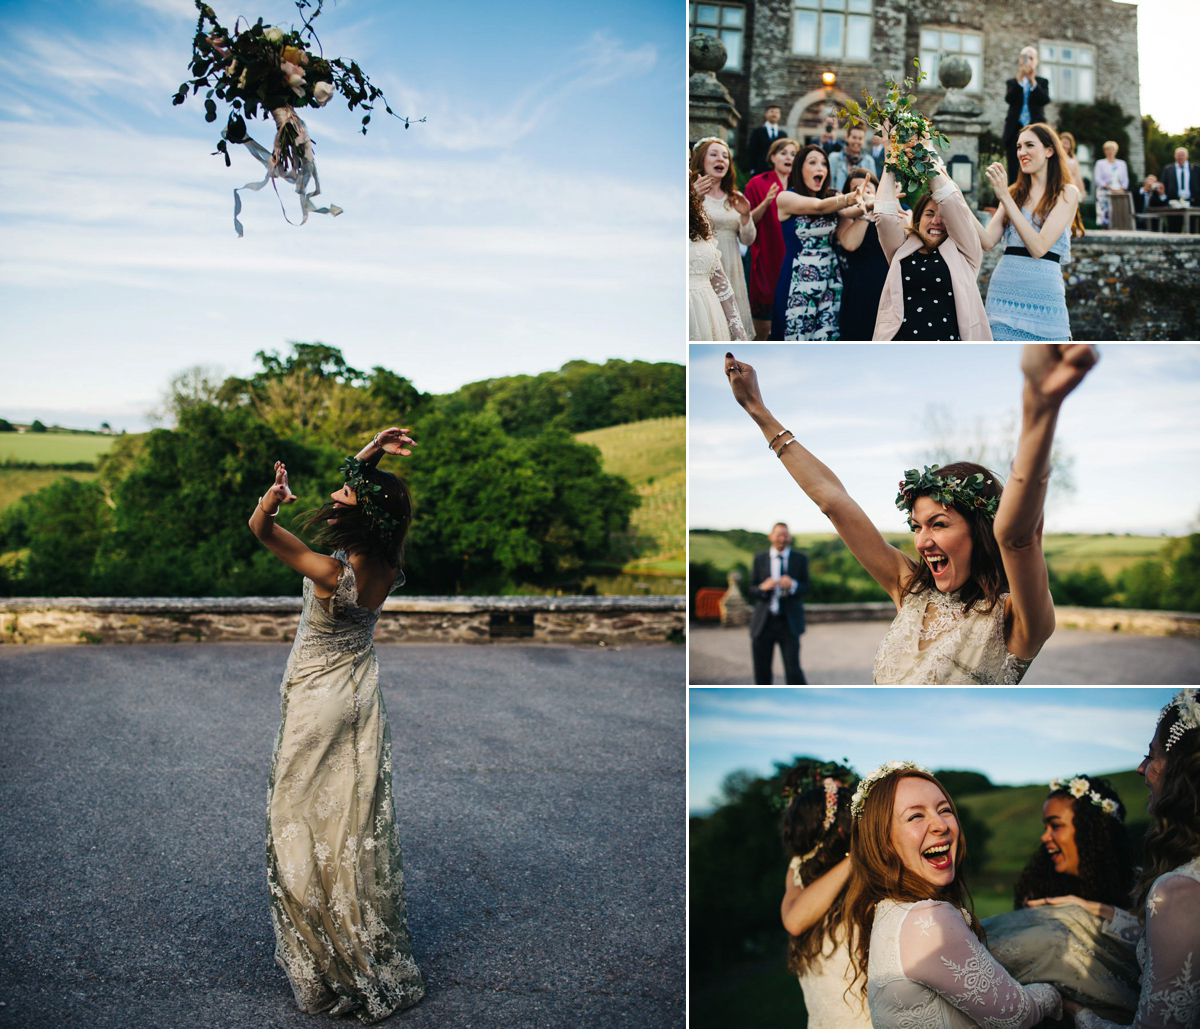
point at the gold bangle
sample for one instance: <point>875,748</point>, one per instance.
<point>771,441</point>
<point>779,452</point>
<point>265,511</point>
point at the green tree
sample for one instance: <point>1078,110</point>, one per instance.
<point>1183,591</point>
<point>7,426</point>
<point>1145,585</point>
<point>61,527</point>
<point>37,426</point>
<point>1159,145</point>
<point>1094,124</point>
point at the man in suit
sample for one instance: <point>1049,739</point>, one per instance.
<point>778,583</point>
<point>761,139</point>
<point>1151,195</point>
<point>1181,181</point>
<point>1027,96</point>
<point>843,162</point>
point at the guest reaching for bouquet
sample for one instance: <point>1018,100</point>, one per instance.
<point>1037,217</point>
<point>333,855</point>
<point>976,607</point>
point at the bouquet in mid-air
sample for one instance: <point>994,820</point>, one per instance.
<point>908,155</point>
<point>261,70</point>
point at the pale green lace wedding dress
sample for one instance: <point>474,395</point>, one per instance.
<point>333,855</point>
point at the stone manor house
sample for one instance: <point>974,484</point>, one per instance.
<point>778,50</point>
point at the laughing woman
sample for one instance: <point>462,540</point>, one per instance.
<point>333,855</point>
<point>918,945</point>
<point>808,295</point>
<point>975,607</point>
<point>1037,217</point>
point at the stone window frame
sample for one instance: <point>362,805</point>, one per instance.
<point>1051,62</point>
<point>858,15</point>
<point>974,57</point>
<point>722,30</point>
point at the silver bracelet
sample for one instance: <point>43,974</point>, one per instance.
<point>265,511</point>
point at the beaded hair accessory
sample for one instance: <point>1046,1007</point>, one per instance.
<point>871,778</point>
<point>369,494</point>
<point>708,139</point>
<point>1185,703</point>
<point>967,492</point>
<point>1081,786</point>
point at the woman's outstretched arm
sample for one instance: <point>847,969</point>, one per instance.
<point>804,905</point>
<point>386,441</point>
<point>1051,372</point>
<point>323,571</point>
<point>885,564</point>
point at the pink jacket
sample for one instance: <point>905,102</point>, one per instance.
<point>962,253</point>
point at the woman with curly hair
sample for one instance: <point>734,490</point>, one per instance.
<point>1167,895</point>
<point>917,943</point>
<point>712,307</point>
<point>1070,899</point>
<point>816,836</point>
<point>334,866</point>
<point>714,180</point>
<point>975,606</point>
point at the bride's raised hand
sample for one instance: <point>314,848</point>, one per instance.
<point>391,441</point>
<point>744,382</point>
<point>280,489</point>
<point>1052,370</point>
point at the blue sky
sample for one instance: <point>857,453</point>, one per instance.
<point>534,217</point>
<point>1132,428</point>
<point>1013,736</point>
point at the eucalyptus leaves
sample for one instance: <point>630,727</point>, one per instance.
<point>947,490</point>
<point>913,166</point>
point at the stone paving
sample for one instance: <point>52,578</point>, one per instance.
<point>843,653</point>
<point>540,801</point>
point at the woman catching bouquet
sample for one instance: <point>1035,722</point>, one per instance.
<point>333,855</point>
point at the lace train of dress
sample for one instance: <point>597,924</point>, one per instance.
<point>933,641</point>
<point>1169,953</point>
<point>334,865</point>
<point>926,970</point>
<point>1077,952</point>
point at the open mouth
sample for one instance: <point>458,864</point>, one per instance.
<point>938,563</point>
<point>939,856</point>
<point>1054,853</point>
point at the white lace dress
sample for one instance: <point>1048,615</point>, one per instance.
<point>934,642</point>
<point>1169,953</point>
<point>712,309</point>
<point>928,971</point>
<point>825,983</point>
<point>729,231</point>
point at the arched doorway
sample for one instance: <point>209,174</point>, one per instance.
<point>806,117</point>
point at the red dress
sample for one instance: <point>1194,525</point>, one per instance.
<point>766,252</point>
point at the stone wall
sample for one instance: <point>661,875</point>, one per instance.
<point>605,620</point>
<point>1128,285</point>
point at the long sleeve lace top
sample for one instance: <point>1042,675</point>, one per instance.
<point>1169,952</point>
<point>927,970</point>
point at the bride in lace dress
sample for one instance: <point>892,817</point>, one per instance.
<point>816,833</point>
<point>333,855</point>
<point>918,946</point>
<point>1071,902</point>
<point>1167,896</point>
<point>712,306</point>
<point>976,607</point>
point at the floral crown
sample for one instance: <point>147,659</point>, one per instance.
<point>1185,703</point>
<point>709,139</point>
<point>867,783</point>
<point>1081,786</point>
<point>369,494</point>
<point>827,775</point>
<point>967,492</point>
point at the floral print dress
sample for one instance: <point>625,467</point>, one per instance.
<point>808,296</point>
<point>334,866</point>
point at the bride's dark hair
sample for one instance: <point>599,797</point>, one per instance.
<point>350,529</point>
<point>987,581</point>
<point>1105,855</point>
<point>804,836</point>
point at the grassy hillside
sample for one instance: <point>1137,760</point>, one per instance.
<point>651,455</point>
<point>17,482</point>
<point>53,447</point>
<point>1064,553</point>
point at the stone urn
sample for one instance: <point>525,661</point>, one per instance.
<point>955,74</point>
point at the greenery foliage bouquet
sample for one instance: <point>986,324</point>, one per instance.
<point>262,70</point>
<point>908,155</point>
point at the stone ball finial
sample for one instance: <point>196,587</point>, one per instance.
<point>954,71</point>
<point>706,53</point>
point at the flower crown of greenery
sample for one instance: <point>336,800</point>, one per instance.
<point>1185,702</point>
<point>869,780</point>
<point>946,490</point>
<point>368,494</point>
<point>1081,786</point>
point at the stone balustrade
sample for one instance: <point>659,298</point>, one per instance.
<point>602,620</point>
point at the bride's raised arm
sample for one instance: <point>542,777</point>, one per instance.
<point>885,564</point>
<point>1051,372</point>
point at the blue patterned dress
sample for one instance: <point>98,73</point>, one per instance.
<point>1026,298</point>
<point>808,295</point>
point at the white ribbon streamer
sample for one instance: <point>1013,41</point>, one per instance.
<point>279,168</point>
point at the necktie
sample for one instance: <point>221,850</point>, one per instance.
<point>776,572</point>
<point>1025,105</point>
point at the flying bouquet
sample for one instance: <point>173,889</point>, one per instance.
<point>912,165</point>
<point>262,70</point>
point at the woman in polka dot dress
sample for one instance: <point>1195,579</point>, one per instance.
<point>931,290</point>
